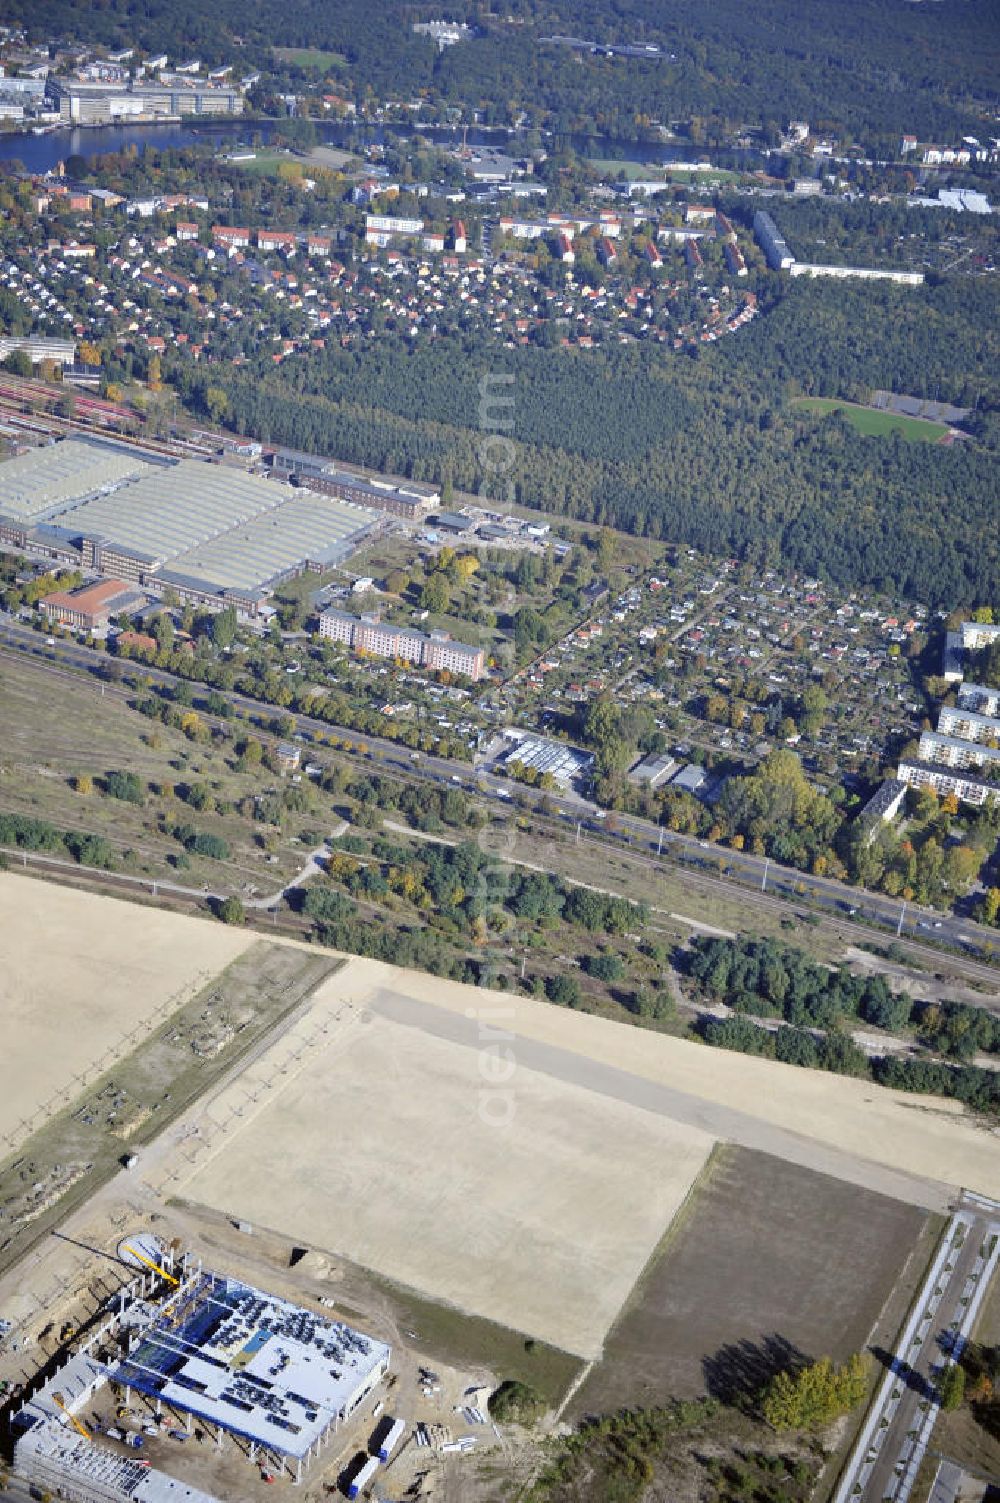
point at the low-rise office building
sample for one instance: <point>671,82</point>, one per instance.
<point>653,770</point>
<point>91,607</point>
<point>401,498</point>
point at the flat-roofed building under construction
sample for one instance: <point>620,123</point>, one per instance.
<point>211,532</point>
<point>240,1361</point>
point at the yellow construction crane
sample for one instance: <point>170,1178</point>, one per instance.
<point>58,1400</point>
<point>138,1253</point>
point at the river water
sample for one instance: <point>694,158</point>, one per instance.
<point>41,153</point>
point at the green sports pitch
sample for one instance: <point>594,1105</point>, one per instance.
<point>875,423</point>
<point>311,57</point>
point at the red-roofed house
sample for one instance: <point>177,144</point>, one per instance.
<point>230,237</point>
<point>275,240</point>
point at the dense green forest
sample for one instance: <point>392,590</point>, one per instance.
<point>865,70</point>
<point>704,450</point>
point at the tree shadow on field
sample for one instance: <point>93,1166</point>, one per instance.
<point>737,1372</point>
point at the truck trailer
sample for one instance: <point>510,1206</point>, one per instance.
<point>363,1477</point>
<point>391,1439</point>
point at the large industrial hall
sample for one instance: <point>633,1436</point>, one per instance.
<point>206,530</point>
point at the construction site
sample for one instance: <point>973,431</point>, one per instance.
<point>399,1192</point>
<point>249,1368</point>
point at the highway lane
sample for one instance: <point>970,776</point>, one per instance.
<point>893,1441</point>
<point>755,878</point>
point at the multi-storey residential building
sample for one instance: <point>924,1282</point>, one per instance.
<point>977,634</point>
<point>955,751</point>
<point>970,725</point>
<point>380,228</point>
<point>438,651</point>
<point>274,240</point>
<point>442,653</point>
<point>943,780</point>
<point>230,237</point>
<point>772,242</point>
<point>977,697</point>
<point>735,263</point>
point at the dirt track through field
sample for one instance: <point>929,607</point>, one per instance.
<point>919,1148</point>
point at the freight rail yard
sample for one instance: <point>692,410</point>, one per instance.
<point>405,1191</point>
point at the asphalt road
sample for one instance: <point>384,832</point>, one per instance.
<point>749,875</point>
<point>898,1428</point>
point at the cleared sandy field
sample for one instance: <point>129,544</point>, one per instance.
<point>915,1147</point>
<point>392,1148</point>
<point>79,973</point>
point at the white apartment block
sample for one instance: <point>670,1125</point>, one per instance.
<point>953,751</point>
<point>976,634</point>
<point>978,697</point>
<point>969,725</point>
<point>942,781</point>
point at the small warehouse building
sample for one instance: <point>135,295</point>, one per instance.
<point>653,770</point>
<point>452,521</point>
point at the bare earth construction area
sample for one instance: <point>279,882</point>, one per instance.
<point>393,1150</point>
<point>500,1157</point>
<point>82,979</point>
<point>535,1195</point>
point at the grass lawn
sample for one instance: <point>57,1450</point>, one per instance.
<point>612,167</point>
<point>717,175</point>
<point>874,423</point>
<point>266,163</point>
<point>710,1314</point>
<point>311,57</point>
<point>460,1339</point>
